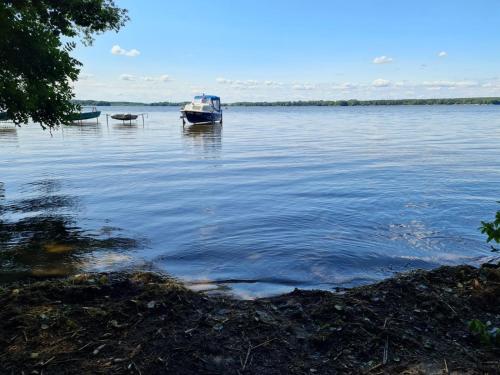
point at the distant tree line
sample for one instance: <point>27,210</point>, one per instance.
<point>167,104</point>
<point>354,102</point>
<point>304,103</point>
<point>104,103</point>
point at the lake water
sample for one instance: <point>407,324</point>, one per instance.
<point>277,198</point>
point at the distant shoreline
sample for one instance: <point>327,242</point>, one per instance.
<point>313,103</point>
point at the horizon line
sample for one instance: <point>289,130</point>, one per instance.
<point>491,98</point>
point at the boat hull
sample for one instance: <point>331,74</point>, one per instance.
<point>127,117</point>
<point>85,115</point>
<point>198,117</point>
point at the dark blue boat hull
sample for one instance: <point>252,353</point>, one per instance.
<point>200,117</point>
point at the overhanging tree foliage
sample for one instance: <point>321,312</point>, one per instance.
<point>36,38</point>
<point>492,230</point>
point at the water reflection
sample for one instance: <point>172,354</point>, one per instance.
<point>39,235</point>
<point>126,129</point>
<point>207,137</point>
<point>8,132</point>
<point>125,126</point>
<point>84,128</point>
<point>299,197</point>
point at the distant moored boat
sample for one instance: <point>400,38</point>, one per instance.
<point>203,109</point>
<point>85,115</point>
<point>124,117</point>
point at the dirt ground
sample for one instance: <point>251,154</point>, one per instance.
<point>143,323</point>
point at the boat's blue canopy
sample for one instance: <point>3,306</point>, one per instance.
<point>213,97</point>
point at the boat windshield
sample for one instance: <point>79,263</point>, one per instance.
<point>207,100</point>
<point>201,100</point>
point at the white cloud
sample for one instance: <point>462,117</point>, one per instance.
<point>346,86</point>
<point>450,84</point>
<point>382,60</point>
<point>85,76</point>
<point>224,80</point>
<point>162,78</point>
<point>149,87</point>
<point>117,50</point>
<point>442,54</point>
<point>494,85</point>
<point>132,53</point>
<point>249,83</point>
<point>273,83</point>
<point>304,86</point>
<point>127,77</point>
<point>239,84</point>
<point>381,83</point>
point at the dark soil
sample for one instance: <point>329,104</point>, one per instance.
<point>143,323</point>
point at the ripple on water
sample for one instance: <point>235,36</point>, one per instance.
<point>276,198</point>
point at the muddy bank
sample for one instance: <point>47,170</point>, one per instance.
<point>145,324</point>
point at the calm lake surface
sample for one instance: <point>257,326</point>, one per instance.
<point>277,198</point>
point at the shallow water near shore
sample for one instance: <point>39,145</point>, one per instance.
<point>276,198</point>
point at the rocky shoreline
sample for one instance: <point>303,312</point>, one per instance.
<point>144,323</point>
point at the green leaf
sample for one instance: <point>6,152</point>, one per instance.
<point>36,69</point>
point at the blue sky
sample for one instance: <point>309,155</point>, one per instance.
<point>281,50</point>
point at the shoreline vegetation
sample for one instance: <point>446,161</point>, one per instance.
<point>145,323</point>
<point>311,103</point>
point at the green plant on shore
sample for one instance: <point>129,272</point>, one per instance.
<point>36,69</point>
<point>487,335</point>
<point>492,230</point>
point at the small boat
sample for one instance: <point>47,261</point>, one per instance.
<point>203,109</point>
<point>124,117</point>
<point>86,115</point>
